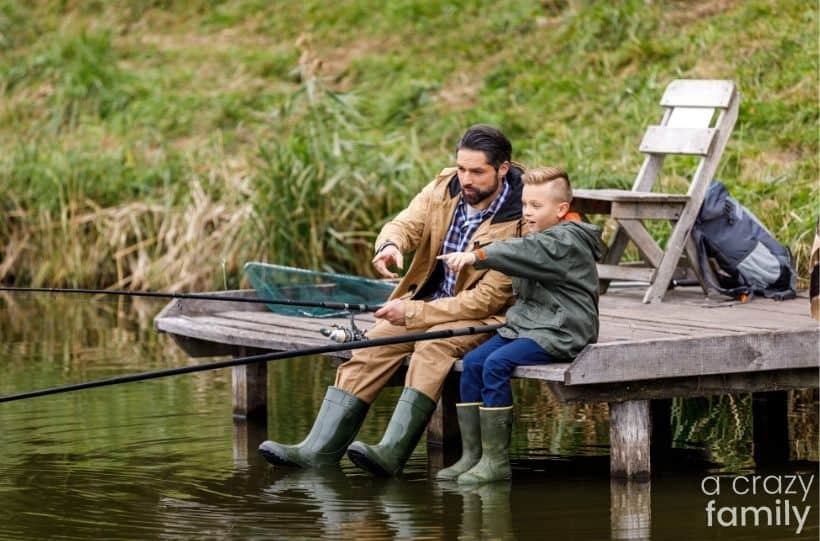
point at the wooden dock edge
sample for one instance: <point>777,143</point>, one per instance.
<point>684,357</point>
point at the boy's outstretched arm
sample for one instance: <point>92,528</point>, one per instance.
<point>533,257</point>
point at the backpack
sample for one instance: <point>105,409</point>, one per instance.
<point>737,255</point>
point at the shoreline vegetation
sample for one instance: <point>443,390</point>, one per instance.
<point>163,144</point>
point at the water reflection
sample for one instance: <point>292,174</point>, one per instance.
<point>485,510</point>
<point>630,509</point>
<point>164,459</point>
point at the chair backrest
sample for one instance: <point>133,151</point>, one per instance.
<point>698,118</point>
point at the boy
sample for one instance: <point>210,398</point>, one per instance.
<point>554,316</point>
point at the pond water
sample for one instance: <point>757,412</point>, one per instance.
<point>162,459</point>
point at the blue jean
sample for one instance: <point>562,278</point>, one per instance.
<point>488,368</point>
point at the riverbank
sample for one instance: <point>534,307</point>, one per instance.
<point>162,147</point>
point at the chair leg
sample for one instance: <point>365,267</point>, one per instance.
<point>613,255</point>
<point>669,263</point>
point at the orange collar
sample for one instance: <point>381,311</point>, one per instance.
<point>571,217</point>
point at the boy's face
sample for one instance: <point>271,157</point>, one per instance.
<point>541,206</point>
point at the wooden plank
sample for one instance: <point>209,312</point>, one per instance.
<point>627,196</point>
<point>682,357</point>
<point>310,334</point>
<point>194,329</point>
<point>275,335</point>
<point>546,372</point>
<point>230,325</point>
<point>617,272</point>
<point>626,333</point>
<point>646,210</point>
<point>269,318</point>
<point>721,321</point>
<point>663,329</point>
<point>698,93</point>
<point>632,297</point>
<point>796,307</point>
<point>630,432</point>
<point>771,380</point>
<point>691,141</point>
<point>197,306</point>
<point>690,117</point>
<point>643,241</point>
<point>758,313</point>
<point>717,319</point>
<point>584,205</point>
<point>692,300</point>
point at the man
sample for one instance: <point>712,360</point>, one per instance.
<point>465,207</point>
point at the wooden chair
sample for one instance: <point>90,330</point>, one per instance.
<point>686,128</point>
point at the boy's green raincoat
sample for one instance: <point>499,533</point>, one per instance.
<point>555,283</point>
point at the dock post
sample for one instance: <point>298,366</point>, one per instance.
<point>443,435</point>
<point>630,430</point>
<point>770,421</point>
<point>249,383</point>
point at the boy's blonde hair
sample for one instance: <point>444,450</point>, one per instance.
<point>543,175</point>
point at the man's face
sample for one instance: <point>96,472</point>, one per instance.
<point>480,181</point>
<point>541,207</point>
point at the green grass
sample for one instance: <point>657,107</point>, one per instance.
<point>291,131</point>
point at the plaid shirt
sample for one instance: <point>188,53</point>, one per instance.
<point>461,231</point>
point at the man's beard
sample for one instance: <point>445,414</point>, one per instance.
<point>478,196</point>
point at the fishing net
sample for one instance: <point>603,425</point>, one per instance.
<point>276,282</point>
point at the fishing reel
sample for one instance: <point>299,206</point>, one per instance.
<point>342,335</point>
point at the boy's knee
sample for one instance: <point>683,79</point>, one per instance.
<point>472,360</point>
<point>497,365</point>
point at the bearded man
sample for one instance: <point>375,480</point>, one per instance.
<point>473,204</point>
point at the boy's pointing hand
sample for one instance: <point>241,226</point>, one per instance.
<point>458,260</point>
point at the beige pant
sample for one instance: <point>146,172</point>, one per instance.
<point>367,372</point>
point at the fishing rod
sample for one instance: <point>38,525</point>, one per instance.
<point>343,306</point>
<point>253,359</point>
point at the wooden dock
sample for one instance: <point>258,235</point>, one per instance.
<point>689,345</point>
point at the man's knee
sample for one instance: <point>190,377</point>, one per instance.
<point>383,329</point>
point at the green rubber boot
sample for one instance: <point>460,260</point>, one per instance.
<point>337,423</point>
<point>496,427</point>
<point>409,419</point>
<point>470,427</point>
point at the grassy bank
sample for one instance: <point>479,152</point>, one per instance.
<point>156,144</point>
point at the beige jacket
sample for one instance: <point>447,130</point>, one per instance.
<point>421,227</point>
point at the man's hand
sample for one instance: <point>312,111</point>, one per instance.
<point>389,254</point>
<point>392,312</point>
<point>458,260</point>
